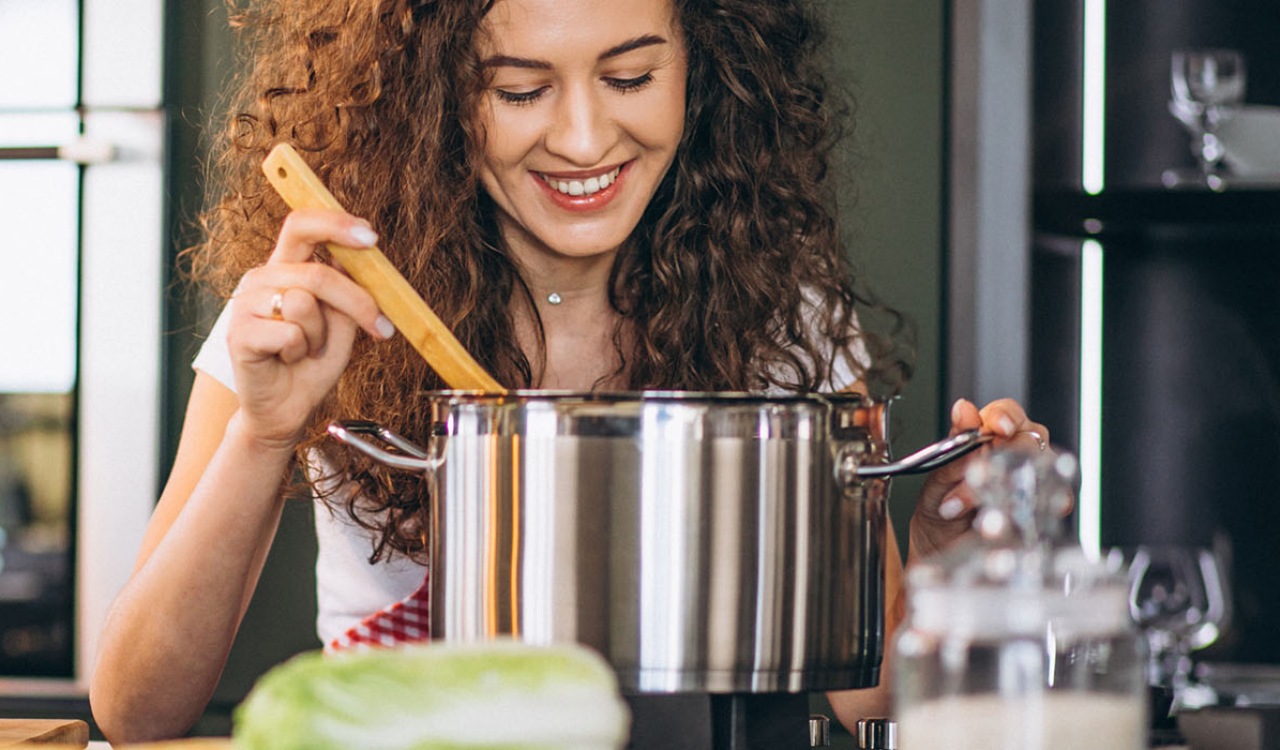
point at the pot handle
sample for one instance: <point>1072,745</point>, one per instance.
<point>408,455</point>
<point>849,469</point>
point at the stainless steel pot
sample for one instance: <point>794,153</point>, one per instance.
<point>701,542</point>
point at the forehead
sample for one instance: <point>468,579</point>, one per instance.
<point>543,27</point>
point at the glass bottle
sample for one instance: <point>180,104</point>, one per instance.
<point>1013,639</point>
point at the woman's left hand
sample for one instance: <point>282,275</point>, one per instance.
<point>946,506</point>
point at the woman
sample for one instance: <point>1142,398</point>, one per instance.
<point>592,195</point>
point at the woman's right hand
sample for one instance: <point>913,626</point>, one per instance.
<point>293,323</point>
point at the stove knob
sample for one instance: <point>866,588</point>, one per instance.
<point>819,731</point>
<point>877,734</point>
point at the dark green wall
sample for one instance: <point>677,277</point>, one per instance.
<point>891,57</point>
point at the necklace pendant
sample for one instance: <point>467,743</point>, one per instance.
<point>553,298</point>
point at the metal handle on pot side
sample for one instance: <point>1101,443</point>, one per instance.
<point>849,469</point>
<point>353,433</point>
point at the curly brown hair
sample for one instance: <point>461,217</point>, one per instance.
<point>380,94</point>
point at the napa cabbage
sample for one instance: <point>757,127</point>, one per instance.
<point>499,695</point>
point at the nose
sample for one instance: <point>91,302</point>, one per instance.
<point>581,130</point>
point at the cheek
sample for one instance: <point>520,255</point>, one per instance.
<point>507,140</point>
<point>669,115</point>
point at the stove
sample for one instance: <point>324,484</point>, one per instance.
<point>736,721</point>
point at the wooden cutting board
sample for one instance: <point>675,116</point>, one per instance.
<point>67,732</point>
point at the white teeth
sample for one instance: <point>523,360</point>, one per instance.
<point>589,186</point>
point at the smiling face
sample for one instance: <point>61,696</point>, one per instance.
<point>583,113</point>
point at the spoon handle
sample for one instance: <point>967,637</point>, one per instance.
<point>301,188</point>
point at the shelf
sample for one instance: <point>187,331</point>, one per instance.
<point>1183,214</point>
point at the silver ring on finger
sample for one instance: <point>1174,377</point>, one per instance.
<point>277,304</point>
<point>1039,438</point>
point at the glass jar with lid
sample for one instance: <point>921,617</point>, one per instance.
<point>1014,640</point>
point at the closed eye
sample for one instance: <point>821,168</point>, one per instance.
<point>624,85</point>
<point>520,97</point>
<point>627,85</point>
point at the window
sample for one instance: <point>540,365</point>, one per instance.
<point>81,292</point>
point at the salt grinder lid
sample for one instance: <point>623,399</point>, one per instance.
<point>877,734</point>
<point>819,731</point>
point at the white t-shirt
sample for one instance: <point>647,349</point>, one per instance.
<point>348,587</point>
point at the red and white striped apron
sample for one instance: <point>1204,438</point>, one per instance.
<point>406,621</point>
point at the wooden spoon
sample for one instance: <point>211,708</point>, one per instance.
<point>301,188</point>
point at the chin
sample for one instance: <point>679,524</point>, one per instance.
<point>584,246</point>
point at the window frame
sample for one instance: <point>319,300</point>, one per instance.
<point>122,278</point>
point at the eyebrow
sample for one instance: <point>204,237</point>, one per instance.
<point>508,61</point>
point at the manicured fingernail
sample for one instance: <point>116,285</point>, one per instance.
<point>951,508</point>
<point>384,327</point>
<point>1007,427</point>
<point>364,236</point>
<point>955,410</point>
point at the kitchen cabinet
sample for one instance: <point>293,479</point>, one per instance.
<point>1190,317</point>
<point>1190,376</point>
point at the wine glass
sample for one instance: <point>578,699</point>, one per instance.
<point>1178,596</point>
<point>1208,85</point>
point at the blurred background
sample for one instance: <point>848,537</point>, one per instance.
<point>1007,190</point>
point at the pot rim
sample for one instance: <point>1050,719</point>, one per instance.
<point>843,398</point>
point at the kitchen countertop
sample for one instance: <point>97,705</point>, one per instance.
<point>193,743</point>
<point>222,744</point>
<point>15,732</point>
